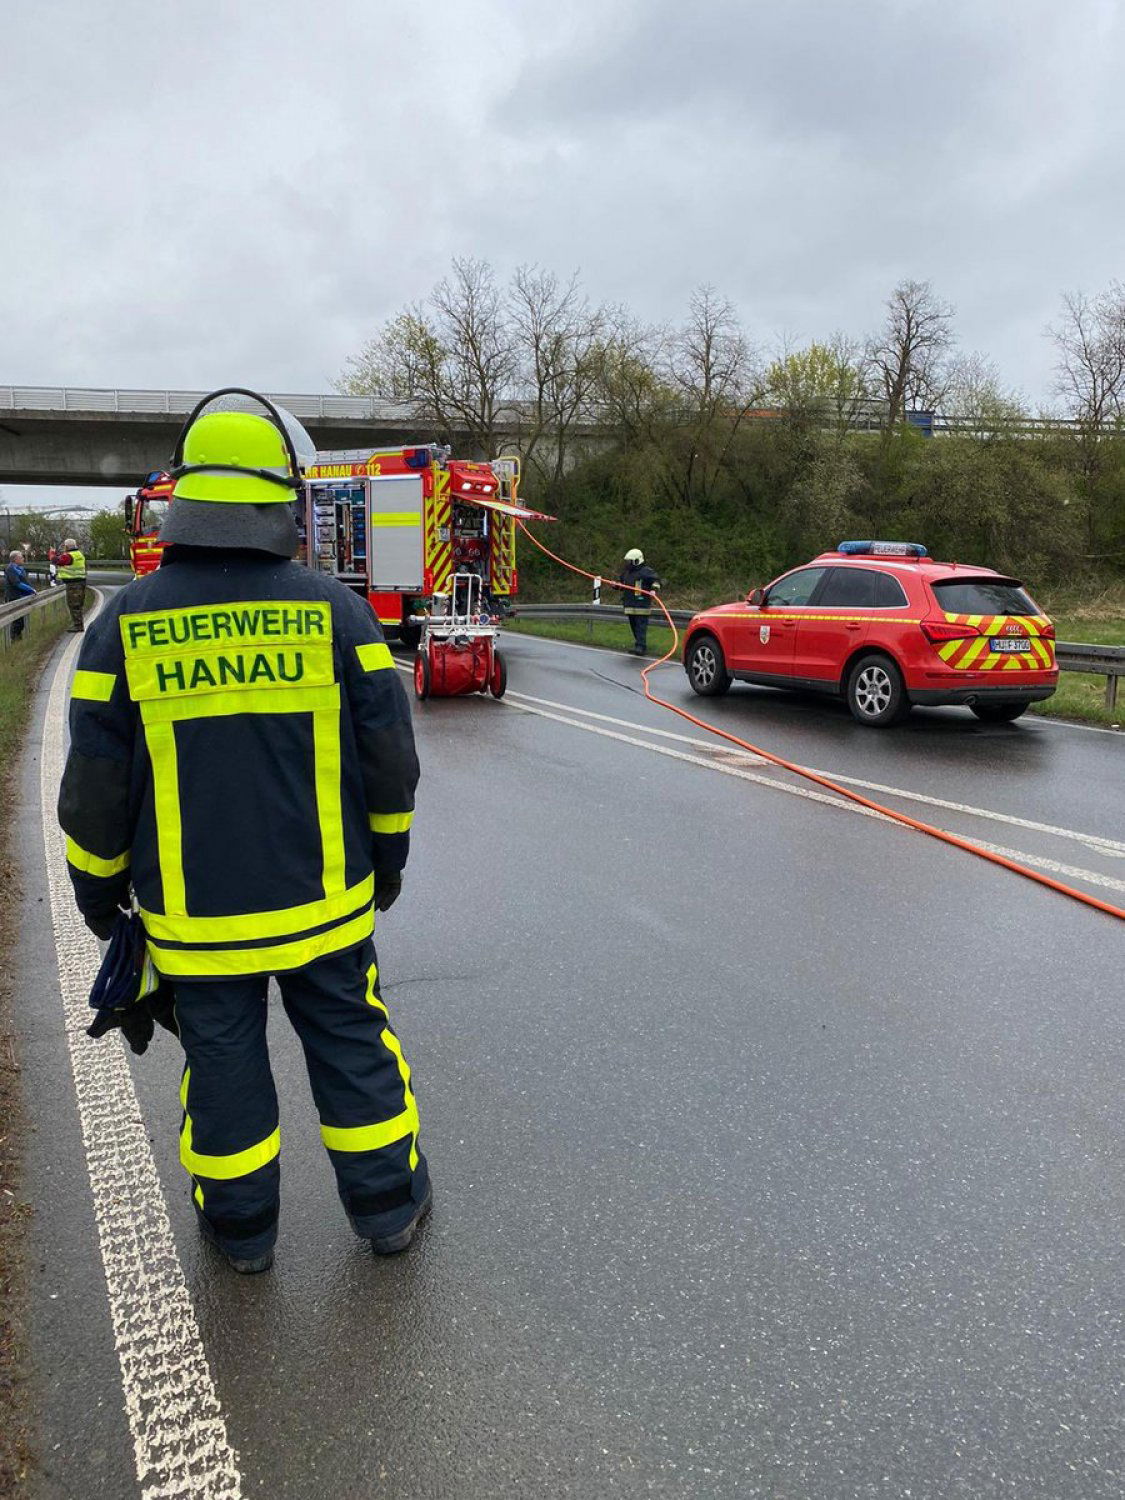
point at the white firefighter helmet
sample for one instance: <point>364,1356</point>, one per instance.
<point>634,555</point>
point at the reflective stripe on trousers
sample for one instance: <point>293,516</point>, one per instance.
<point>360,1081</point>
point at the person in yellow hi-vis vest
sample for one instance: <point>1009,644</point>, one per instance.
<point>242,762</point>
<point>72,571</point>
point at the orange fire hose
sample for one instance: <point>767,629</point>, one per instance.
<point>823,781</point>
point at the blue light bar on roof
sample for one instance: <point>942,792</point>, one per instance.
<point>882,549</point>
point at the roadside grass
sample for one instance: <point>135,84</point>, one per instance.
<point>20,668</point>
<point>1080,695</point>
<point>607,633</point>
<point>1096,632</point>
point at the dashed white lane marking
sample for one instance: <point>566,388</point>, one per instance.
<point>726,768</point>
<point>1051,866</point>
<point>179,1435</point>
<point>1112,848</point>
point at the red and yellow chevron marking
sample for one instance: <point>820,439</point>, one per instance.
<point>973,652</point>
<point>439,533</point>
<point>503,533</point>
<point>145,554</point>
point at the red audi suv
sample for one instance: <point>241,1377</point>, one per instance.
<point>884,626</point>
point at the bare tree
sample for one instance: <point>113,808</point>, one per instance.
<point>911,354</point>
<point>1090,344</point>
<point>560,341</point>
<point>1090,378</point>
<point>452,360</point>
<point>631,390</point>
<point>710,369</point>
<point>976,402</point>
<point>481,357</point>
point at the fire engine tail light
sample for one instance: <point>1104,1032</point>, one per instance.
<point>940,631</point>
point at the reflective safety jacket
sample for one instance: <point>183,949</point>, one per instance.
<point>638,575</point>
<point>242,755</point>
<point>72,564</point>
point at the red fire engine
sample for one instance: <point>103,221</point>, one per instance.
<point>144,516</point>
<point>398,523</point>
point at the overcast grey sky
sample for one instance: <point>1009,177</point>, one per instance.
<point>207,193</point>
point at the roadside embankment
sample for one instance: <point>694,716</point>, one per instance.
<point>21,664</point>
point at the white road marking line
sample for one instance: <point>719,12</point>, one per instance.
<point>1052,723</point>
<point>1051,866</point>
<point>1112,848</point>
<point>1038,862</point>
<point>179,1435</point>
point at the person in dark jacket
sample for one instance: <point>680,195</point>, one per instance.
<point>636,576</point>
<point>16,587</point>
<point>242,761</point>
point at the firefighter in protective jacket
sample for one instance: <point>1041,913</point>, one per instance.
<point>638,576</point>
<point>242,761</point>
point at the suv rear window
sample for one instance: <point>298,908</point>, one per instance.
<point>982,596</point>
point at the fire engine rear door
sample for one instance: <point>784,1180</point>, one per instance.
<point>394,542</point>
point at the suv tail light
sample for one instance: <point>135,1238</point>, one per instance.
<point>1047,632</point>
<point>939,631</point>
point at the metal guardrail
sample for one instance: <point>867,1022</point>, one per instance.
<point>113,571</point>
<point>28,610</point>
<point>1107,661</point>
<point>593,612</point>
<point>1072,656</point>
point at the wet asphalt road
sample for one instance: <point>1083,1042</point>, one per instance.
<point>777,1150</point>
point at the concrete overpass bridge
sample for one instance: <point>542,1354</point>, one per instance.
<point>70,435</point>
<point>77,436</point>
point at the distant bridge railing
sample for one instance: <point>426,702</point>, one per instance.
<point>1072,656</point>
<point>178,403</point>
<point>867,416</point>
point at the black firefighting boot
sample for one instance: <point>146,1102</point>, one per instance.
<point>392,1244</point>
<point>245,1266</point>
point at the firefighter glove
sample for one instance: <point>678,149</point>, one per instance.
<point>387,888</point>
<point>135,1021</point>
<point>101,926</point>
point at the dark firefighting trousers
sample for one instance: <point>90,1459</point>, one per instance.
<point>229,1138</point>
<point>638,621</point>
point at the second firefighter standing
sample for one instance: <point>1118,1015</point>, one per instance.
<point>638,576</point>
